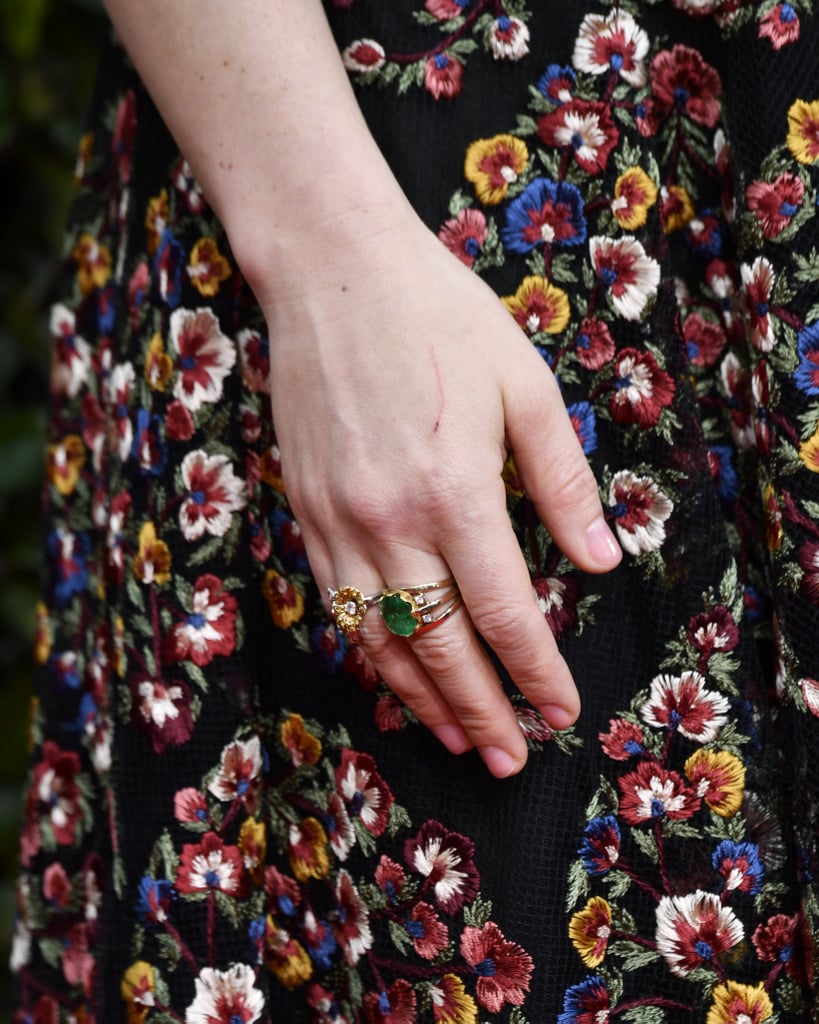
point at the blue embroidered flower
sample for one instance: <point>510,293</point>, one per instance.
<point>723,471</point>
<point>168,264</point>
<point>601,845</point>
<point>557,83</point>
<point>147,446</point>
<point>546,212</point>
<point>155,899</point>
<point>807,373</point>
<point>583,420</point>
<point>740,865</point>
<point>588,1001</point>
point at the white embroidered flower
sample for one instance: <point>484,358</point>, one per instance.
<point>640,511</point>
<point>363,55</point>
<point>694,929</point>
<point>205,356</point>
<point>508,38</point>
<point>71,358</point>
<point>630,275</point>
<point>212,493</point>
<point>612,42</point>
<point>683,704</point>
<point>226,997</point>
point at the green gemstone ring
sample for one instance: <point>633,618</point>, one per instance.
<point>405,611</point>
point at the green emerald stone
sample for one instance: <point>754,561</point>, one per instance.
<point>398,612</point>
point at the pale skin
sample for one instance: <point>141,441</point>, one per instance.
<point>399,381</point>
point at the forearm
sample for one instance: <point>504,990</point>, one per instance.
<point>257,98</point>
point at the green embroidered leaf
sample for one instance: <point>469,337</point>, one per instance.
<point>619,884</point>
<point>644,1015</point>
<point>400,938</point>
<point>52,951</point>
<point>578,884</point>
<point>168,950</point>
<point>398,818</point>
<point>646,842</point>
<point>478,912</point>
<point>632,955</point>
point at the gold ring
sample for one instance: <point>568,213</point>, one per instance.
<point>405,611</point>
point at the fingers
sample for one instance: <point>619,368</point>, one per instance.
<point>554,470</point>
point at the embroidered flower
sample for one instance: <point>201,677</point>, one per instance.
<point>713,631</point>
<point>758,281</point>
<point>740,865</point>
<point>774,204</point>
<point>695,929</point>
<point>508,38</point>
<point>71,355</point>
<point>546,212</point>
<point>187,186</point>
<point>212,492</point>
<point>393,1005</point>
<point>676,208</point>
<point>557,83</point>
<point>205,356</point>
<point>803,131</point>
<point>601,845</point>
<point>445,10</point>
<point>137,989</point>
<point>623,741</point>
<point>734,1003</point>
<point>365,793</point>
<point>442,76</point>
<point>613,42</point>
<point>634,195</point>
<point>586,1003</point>
<point>284,599</point>
<point>585,128</point>
<point>207,267</point>
<point>451,1003</point>
<point>302,746</point>
<point>285,957</point>
<point>210,628</point>
<point>705,340</point>
<point>682,704</point>
<point>156,897</point>
<point>428,933</point>
<point>163,712</point>
<point>593,343</point>
<point>445,859</point>
<point>492,165</point>
<point>464,235</point>
<point>502,967</point>
<point>682,82</point>
<point>152,562</point>
<point>640,511</point>
<point>350,921</point>
<point>652,792</point>
<point>307,849</point>
<point>211,866</point>
<point>777,940</point>
<point>719,778</point>
<point>226,997</point>
<point>240,774</point>
<point>589,931</point>
<point>64,463</point>
<point>628,274</point>
<point>93,263</point>
<point>538,306</point>
<point>557,598</point>
<point>364,55</point>
<point>781,25</point>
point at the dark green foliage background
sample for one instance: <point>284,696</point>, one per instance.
<point>47,59</point>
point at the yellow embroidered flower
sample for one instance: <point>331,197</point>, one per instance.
<point>152,562</point>
<point>773,519</point>
<point>492,165</point>
<point>270,468</point>
<point>93,263</point>
<point>65,460</point>
<point>42,637</point>
<point>158,364</point>
<point>538,305</point>
<point>739,1004</point>
<point>137,989</point>
<point>83,155</point>
<point>803,131</point>
<point>719,778</point>
<point>307,849</point>
<point>300,743</point>
<point>253,847</point>
<point>286,602</point>
<point>589,930</point>
<point>809,452</point>
<point>118,646</point>
<point>451,1003</point>
<point>207,268</point>
<point>634,195</point>
<point>156,220</point>
<point>677,208</point>
<point>285,957</point>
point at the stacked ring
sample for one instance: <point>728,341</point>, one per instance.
<point>405,611</point>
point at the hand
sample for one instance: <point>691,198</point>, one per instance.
<point>398,381</point>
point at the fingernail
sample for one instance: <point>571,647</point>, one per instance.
<point>602,544</point>
<point>558,717</point>
<point>499,762</point>
<point>453,738</point>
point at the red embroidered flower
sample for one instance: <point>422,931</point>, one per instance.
<point>641,389</point>
<point>364,55</point>
<point>683,704</point>
<point>503,968</point>
<point>205,356</point>
<point>778,940</point>
<point>254,358</point>
<point>593,343</point>
<point>651,793</point>
<point>774,204</point>
<point>240,774</point>
<point>586,128</point>
<point>758,280</point>
<point>163,712</point>
<point>704,340</point>
<point>445,859</point>
<point>364,791</point>
<point>623,741</point>
<point>714,630</point>
<point>780,25</point>
<point>629,275</point>
<point>125,127</point>
<point>428,933</point>
<point>695,929</point>
<point>54,793</point>
<point>210,628</point>
<point>442,76</point>
<point>211,866</point>
<point>189,806</point>
<point>557,598</point>
<point>393,1005</point>
<point>681,81</point>
<point>351,923</point>
<point>464,235</point>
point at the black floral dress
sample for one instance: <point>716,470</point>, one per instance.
<point>230,818</point>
